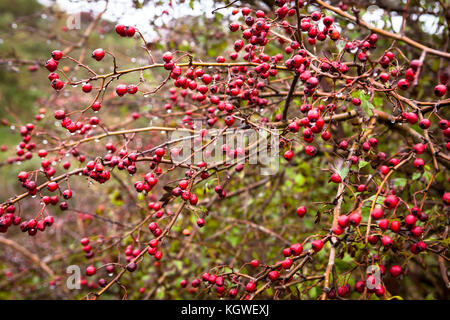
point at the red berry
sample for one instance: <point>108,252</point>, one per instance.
<point>391,201</point>
<point>424,123</point>
<point>250,287</point>
<point>57,54</point>
<point>395,270</point>
<point>90,271</point>
<point>343,221</point>
<point>387,241</point>
<point>446,198</point>
<point>120,29</point>
<point>336,178</point>
<point>57,84</point>
<point>273,275</point>
<point>132,89</point>
<point>87,87</point>
<point>254,263</point>
<point>167,56</point>
<point>121,89</point>
<point>98,54</point>
<point>288,155</point>
<point>395,226</point>
<point>51,65</point>
<point>355,218</point>
<point>377,213</point>
<point>301,211</point>
<point>52,186</point>
<point>403,84</point>
<point>383,224</point>
<point>317,245</point>
<point>130,31</point>
<point>200,222</point>
<point>440,90</point>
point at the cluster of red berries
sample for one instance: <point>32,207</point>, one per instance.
<point>125,31</point>
<point>96,171</point>
<point>32,226</point>
<point>75,127</point>
<point>310,25</point>
<point>153,245</point>
<point>372,284</point>
<point>122,89</point>
<point>123,161</point>
<point>25,147</point>
<point>186,195</point>
<point>51,66</point>
<point>7,218</point>
<point>87,248</point>
<point>219,281</point>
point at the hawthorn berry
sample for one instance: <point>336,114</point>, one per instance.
<point>440,90</point>
<point>121,89</point>
<point>90,271</point>
<point>336,178</point>
<point>395,270</point>
<point>254,263</point>
<point>98,54</point>
<point>317,245</point>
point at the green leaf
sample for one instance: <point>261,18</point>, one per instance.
<point>400,182</point>
<point>416,175</point>
<point>366,105</point>
<point>395,297</point>
<point>362,164</point>
<point>369,201</point>
<point>178,264</point>
<point>299,179</point>
<point>343,172</point>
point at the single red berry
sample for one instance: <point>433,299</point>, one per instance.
<point>120,29</point>
<point>250,287</point>
<point>343,221</point>
<point>288,155</point>
<point>301,211</point>
<point>130,31</point>
<point>90,271</point>
<point>51,65</point>
<point>419,163</point>
<point>336,178</point>
<point>391,201</point>
<point>383,224</point>
<point>200,222</point>
<point>395,226</point>
<point>386,241</point>
<point>52,186</point>
<point>131,267</point>
<point>273,275</point>
<point>121,89</point>
<point>377,213</point>
<point>446,198</point>
<point>98,54</point>
<point>355,218</point>
<point>317,245</point>
<point>403,84</point>
<point>440,90</point>
<point>132,89</point>
<point>395,270</point>
<point>424,123</point>
<point>57,54</point>
<point>87,87</point>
